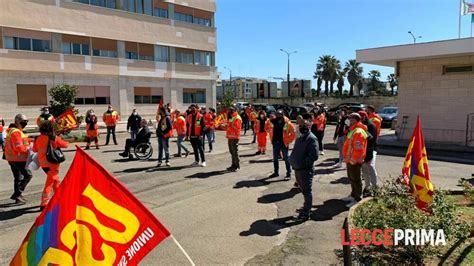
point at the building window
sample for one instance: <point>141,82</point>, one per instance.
<point>183,17</point>
<point>28,95</point>
<point>76,48</point>
<point>160,12</point>
<point>27,44</point>
<point>129,5</point>
<point>93,95</point>
<point>162,53</point>
<point>202,58</point>
<point>10,42</point>
<point>131,55</point>
<point>184,57</point>
<point>457,69</point>
<point>146,95</point>
<point>202,21</point>
<point>194,96</point>
<point>104,53</point>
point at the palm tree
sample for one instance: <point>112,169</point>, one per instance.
<point>354,73</point>
<point>335,66</point>
<point>318,77</point>
<point>374,76</point>
<point>325,65</point>
<point>393,82</point>
<point>341,74</point>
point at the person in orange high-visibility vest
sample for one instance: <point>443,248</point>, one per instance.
<point>111,118</point>
<point>92,129</point>
<point>234,128</point>
<point>17,146</point>
<point>45,116</point>
<point>318,128</point>
<point>282,133</point>
<point>195,130</point>
<point>51,169</point>
<point>374,118</point>
<point>261,128</point>
<point>354,152</point>
<point>180,126</point>
<point>164,131</point>
<point>2,125</point>
<point>209,118</point>
<point>253,118</point>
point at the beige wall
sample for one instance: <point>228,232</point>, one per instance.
<point>93,21</point>
<point>208,5</point>
<point>443,101</point>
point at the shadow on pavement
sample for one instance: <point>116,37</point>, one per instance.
<point>255,183</point>
<point>270,227</point>
<point>326,163</point>
<point>276,197</point>
<point>342,180</point>
<point>124,160</point>
<point>248,155</point>
<point>261,161</point>
<point>328,210</point>
<point>327,171</point>
<point>164,168</point>
<point>208,174</point>
<point>12,214</point>
<point>117,151</point>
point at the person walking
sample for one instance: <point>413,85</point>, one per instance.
<point>164,131</point>
<point>318,128</point>
<point>374,118</point>
<point>234,128</point>
<point>44,116</point>
<point>209,129</point>
<point>47,138</point>
<point>369,173</point>
<point>340,134</point>
<point>17,146</point>
<point>195,129</point>
<point>92,129</point>
<point>133,124</point>
<point>305,153</point>
<point>111,118</point>
<point>214,115</point>
<point>245,120</point>
<point>262,125</point>
<point>282,133</point>
<point>253,119</point>
<point>180,126</point>
<point>354,151</point>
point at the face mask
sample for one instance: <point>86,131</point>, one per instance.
<point>92,113</point>
<point>46,112</point>
<point>348,122</point>
<point>135,113</point>
<point>304,129</point>
<point>110,109</point>
<point>23,123</point>
<point>262,117</point>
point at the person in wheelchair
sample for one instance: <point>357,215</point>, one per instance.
<point>143,136</point>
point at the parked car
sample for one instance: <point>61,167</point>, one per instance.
<point>241,105</point>
<point>333,112</point>
<point>295,111</point>
<point>388,114</point>
<point>309,105</point>
<point>265,107</point>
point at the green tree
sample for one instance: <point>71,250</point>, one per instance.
<point>393,82</point>
<point>374,76</point>
<point>228,98</point>
<point>319,81</point>
<point>354,74</point>
<point>62,99</point>
<point>341,74</point>
<point>326,64</point>
<point>335,67</point>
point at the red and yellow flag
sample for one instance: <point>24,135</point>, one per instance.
<point>91,220</point>
<point>415,169</point>
<point>65,122</point>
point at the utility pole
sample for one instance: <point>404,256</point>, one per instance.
<point>288,73</point>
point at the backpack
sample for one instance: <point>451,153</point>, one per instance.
<point>54,155</point>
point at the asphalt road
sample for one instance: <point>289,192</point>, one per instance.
<point>221,217</point>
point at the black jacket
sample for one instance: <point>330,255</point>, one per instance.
<point>160,132</point>
<point>143,136</point>
<point>371,141</point>
<point>134,122</point>
<point>341,127</point>
<point>305,152</point>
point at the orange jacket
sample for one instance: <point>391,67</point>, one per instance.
<point>320,122</point>
<point>209,120</point>
<point>289,133</point>
<point>253,117</point>
<point>266,125</point>
<point>41,147</point>
<point>197,124</point>
<point>234,126</point>
<point>180,125</point>
<point>40,120</point>
<point>355,145</point>
<point>16,145</point>
<point>377,120</point>
<point>111,118</point>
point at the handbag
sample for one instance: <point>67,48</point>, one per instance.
<point>54,155</point>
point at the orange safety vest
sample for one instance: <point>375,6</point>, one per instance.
<point>197,124</point>
<point>163,125</point>
<point>41,147</point>
<point>180,125</point>
<point>320,122</point>
<point>40,120</point>
<point>111,119</point>
<point>253,117</point>
<point>377,121</point>
<point>289,133</point>
<point>257,125</point>
<point>234,126</point>
<point>355,145</point>
<point>12,152</point>
<point>1,129</point>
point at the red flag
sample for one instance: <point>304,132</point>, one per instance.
<point>65,122</point>
<point>415,169</point>
<point>91,219</point>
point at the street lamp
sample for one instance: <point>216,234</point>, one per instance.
<point>413,36</point>
<point>288,75</point>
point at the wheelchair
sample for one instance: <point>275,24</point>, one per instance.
<point>143,151</point>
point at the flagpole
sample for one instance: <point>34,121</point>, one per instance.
<point>460,15</point>
<point>182,250</point>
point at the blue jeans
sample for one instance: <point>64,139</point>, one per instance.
<point>210,138</point>
<point>181,144</point>
<point>305,181</point>
<point>163,146</point>
<point>340,144</point>
<point>133,133</point>
<point>277,147</point>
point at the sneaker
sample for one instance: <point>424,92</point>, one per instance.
<point>274,175</point>
<point>303,216</point>
<point>123,154</point>
<point>235,169</point>
<point>177,155</point>
<point>96,147</point>
<point>296,185</point>
<point>287,177</point>
<point>352,203</point>
<point>321,153</point>
<point>186,155</point>
<point>159,164</point>
<point>338,165</point>
<point>258,153</point>
<point>87,148</point>
<point>230,168</point>
<point>348,199</point>
<point>263,153</point>
<point>168,164</point>
<point>203,164</point>
<point>42,208</point>
<point>195,164</point>
<point>20,200</point>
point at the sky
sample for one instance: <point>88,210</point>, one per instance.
<point>250,33</point>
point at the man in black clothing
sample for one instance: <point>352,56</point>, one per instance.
<point>340,134</point>
<point>369,173</point>
<point>245,121</point>
<point>143,136</point>
<point>133,124</point>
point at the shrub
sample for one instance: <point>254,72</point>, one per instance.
<point>62,99</point>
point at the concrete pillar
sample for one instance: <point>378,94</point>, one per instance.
<point>170,11</point>
<point>172,54</point>
<point>212,21</point>
<point>213,59</point>
<point>121,49</point>
<point>56,43</point>
<point>119,4</point>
